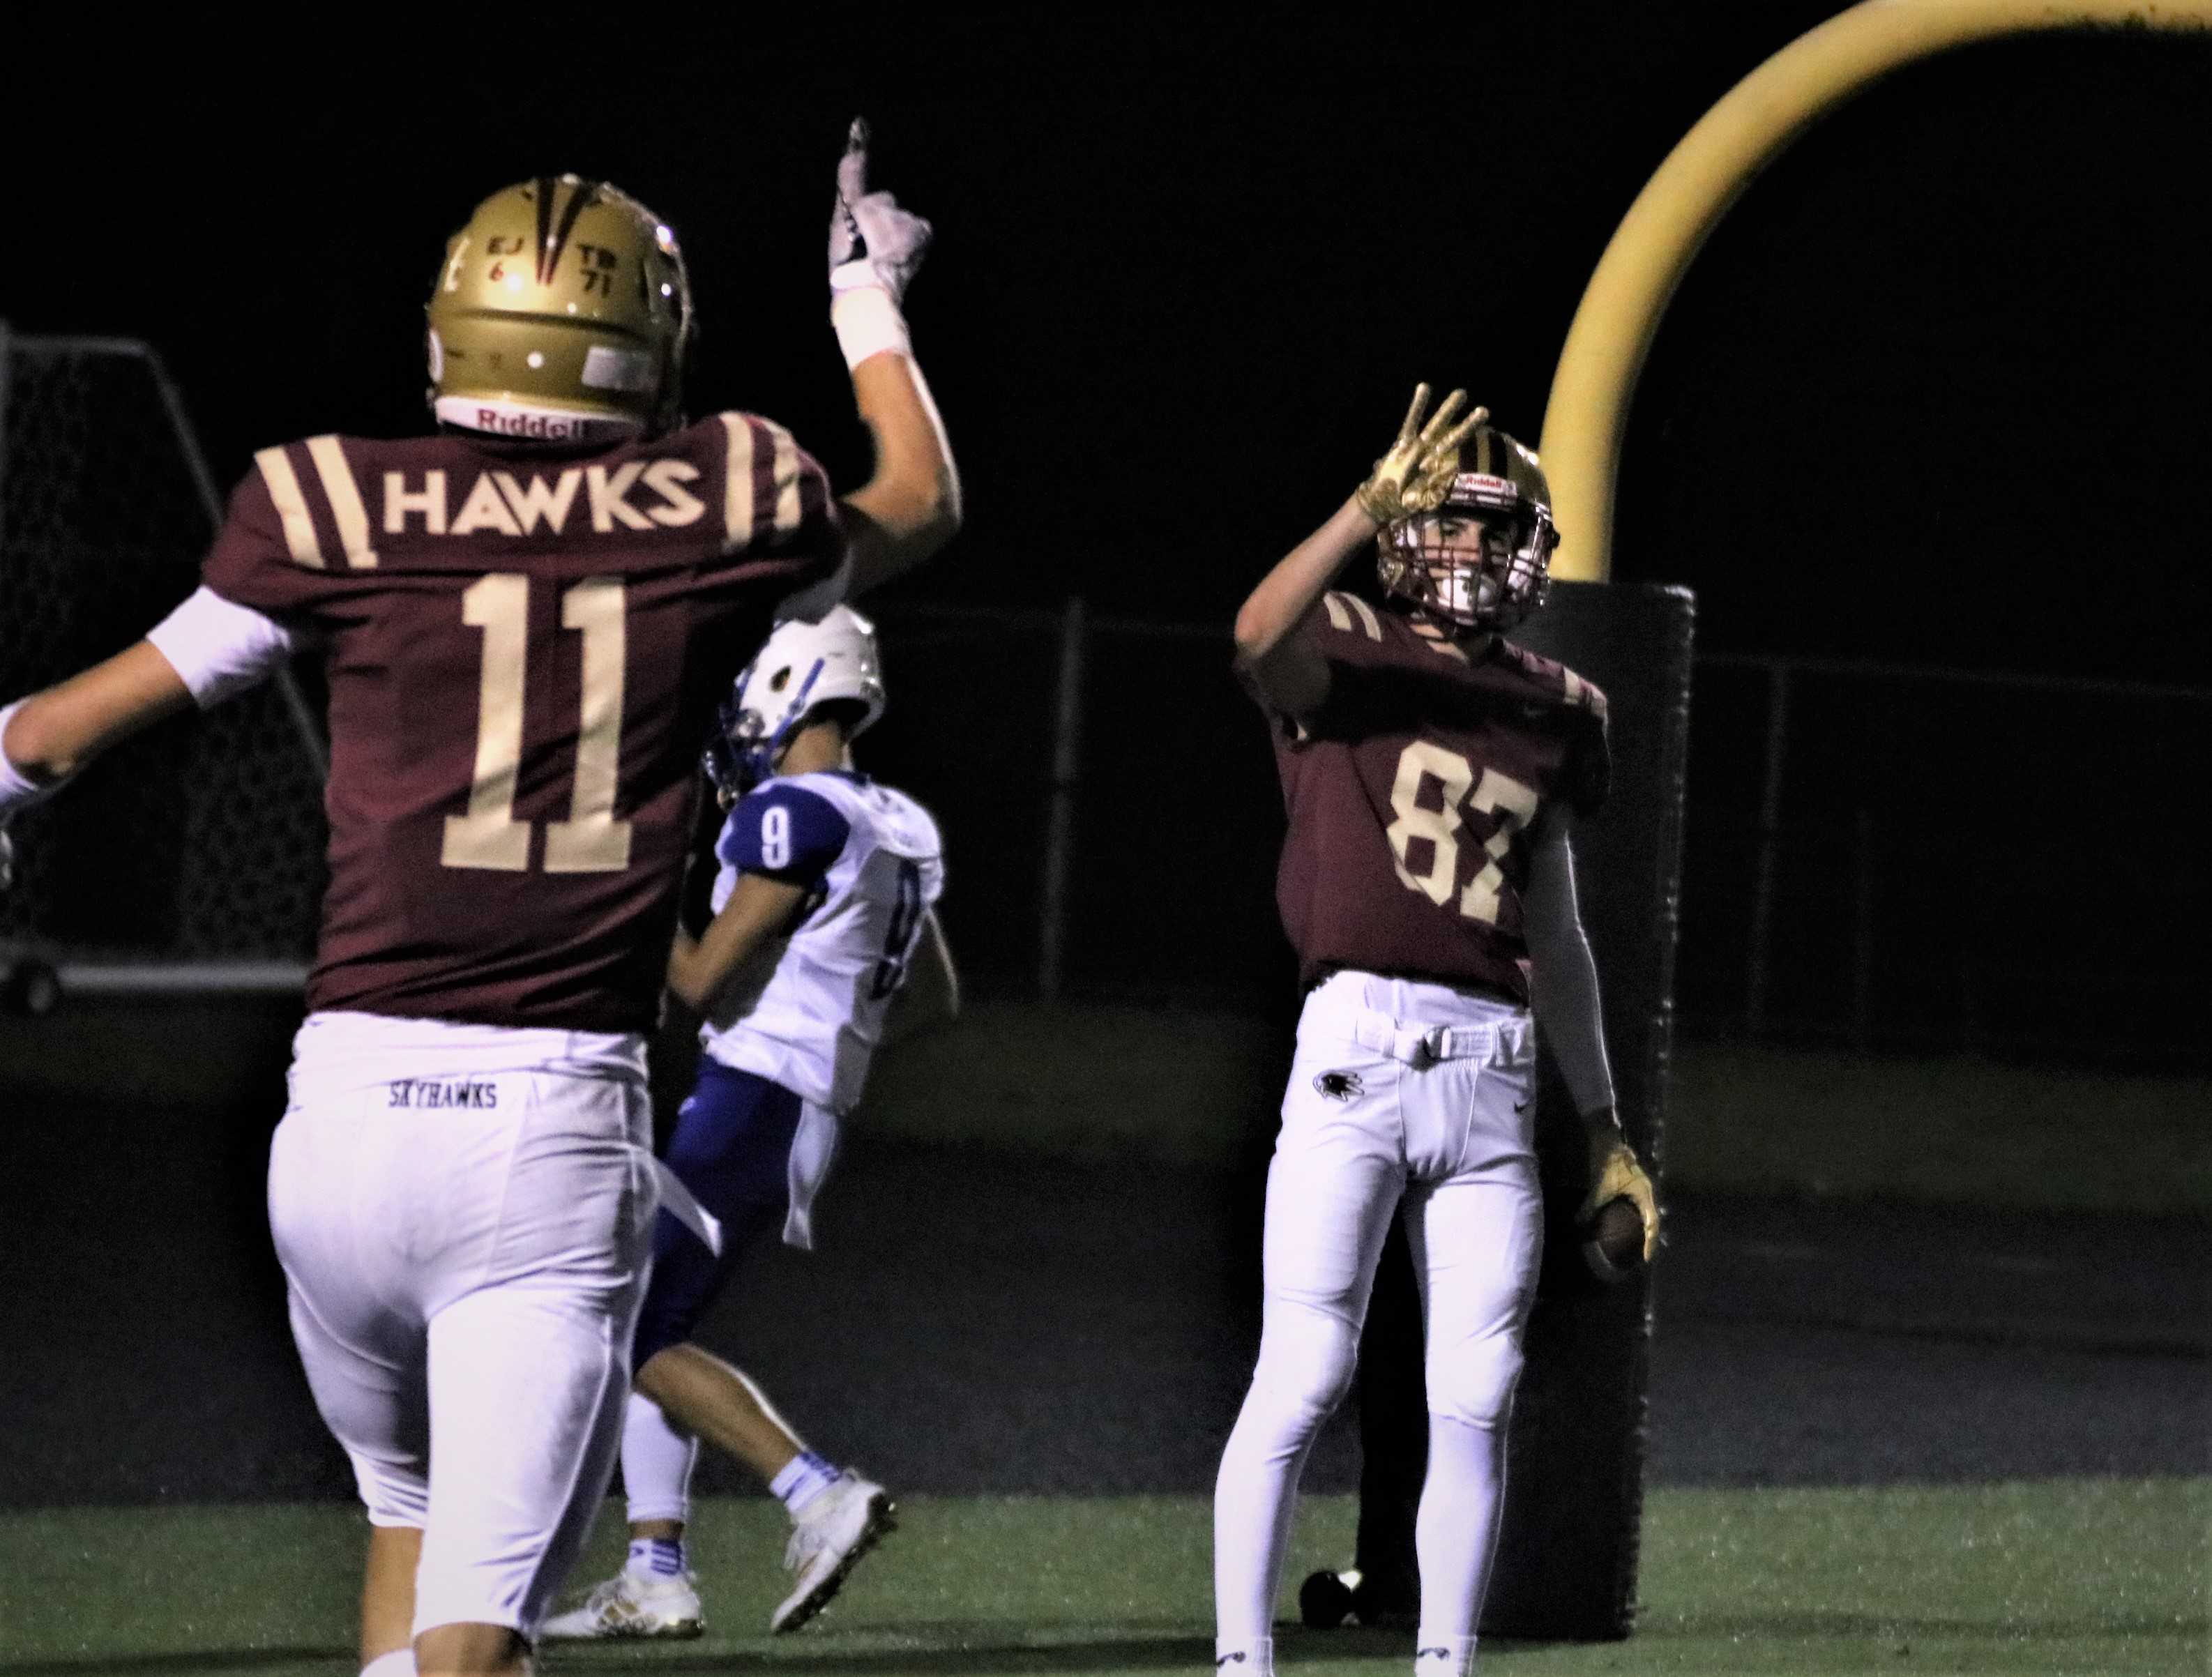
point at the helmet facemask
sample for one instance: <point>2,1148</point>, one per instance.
<point>747,740</point>
<point>798,670</point>
<point>1475,570</point>
<point>1479,559</point>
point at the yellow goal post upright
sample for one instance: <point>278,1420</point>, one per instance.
<point>1587,416</point>
<point>1567,1558</point>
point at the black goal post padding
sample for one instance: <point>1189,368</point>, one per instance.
<point>1567,1561</point>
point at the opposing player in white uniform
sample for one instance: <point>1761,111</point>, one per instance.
<point>527,620</point>
<point>1431,770</point>
<point>822,903</point>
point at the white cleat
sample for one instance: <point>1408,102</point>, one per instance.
<point>834,1531</point>
<point>627,1605</point>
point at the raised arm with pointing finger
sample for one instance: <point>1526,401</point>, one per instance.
<point>911,508</point>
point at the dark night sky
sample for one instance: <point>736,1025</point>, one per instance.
<point>1932,392</point>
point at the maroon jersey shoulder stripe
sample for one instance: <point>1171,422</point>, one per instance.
<point>775,493</point>
<point>1557,678</point>
<point>1349,615</point>
<point>288,475</point>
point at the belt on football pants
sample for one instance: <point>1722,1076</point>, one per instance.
<point>675,1199</point>
<point>1429,1045</point>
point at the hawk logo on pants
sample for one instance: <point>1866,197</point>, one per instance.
<point>1339,1085</point>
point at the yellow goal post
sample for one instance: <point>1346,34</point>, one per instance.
<point>1753,125</point>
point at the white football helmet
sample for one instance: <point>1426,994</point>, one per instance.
<point>799,668</point>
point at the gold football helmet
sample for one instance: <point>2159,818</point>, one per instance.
<point>562,314</point>
<point>1479,555</point>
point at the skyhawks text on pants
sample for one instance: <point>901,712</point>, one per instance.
<point>422,1091</point>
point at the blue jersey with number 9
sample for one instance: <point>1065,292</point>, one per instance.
<point>873,862</point>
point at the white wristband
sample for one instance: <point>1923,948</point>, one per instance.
<point>867,323</point>
<point>17,792</point>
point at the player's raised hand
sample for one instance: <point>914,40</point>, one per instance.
<point>846,244</point>
<point>871,240</point>
<point>1414,475</point>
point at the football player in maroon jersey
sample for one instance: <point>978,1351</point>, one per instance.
<point>1432,771</point>
<point>527,619</point>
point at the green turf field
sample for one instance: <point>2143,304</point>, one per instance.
<point>2051,1576</point>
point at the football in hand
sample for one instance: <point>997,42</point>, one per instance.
<point>1612,1244</point>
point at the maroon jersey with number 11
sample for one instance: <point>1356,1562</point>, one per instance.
<point>1410,792</point>
<point>524,650</point>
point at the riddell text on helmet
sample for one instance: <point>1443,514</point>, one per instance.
<point>542,426</point>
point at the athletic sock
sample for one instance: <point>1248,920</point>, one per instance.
<point>399,1662</point>
<point>657,1557</point>
<point>657,1459</point>
<point>1305,1358</point>
<point>1455,1534</point>
<point>806,1477</point>
<point>1253,1658</point>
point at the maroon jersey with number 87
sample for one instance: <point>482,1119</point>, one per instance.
<point>524,650</point>
<point>1410,792</point>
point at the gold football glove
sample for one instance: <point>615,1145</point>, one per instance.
<point>1620,1177</point>
<point>1413,477</point>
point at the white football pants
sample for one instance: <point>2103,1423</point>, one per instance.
<point>1399,1091</point>
<point>463,1216</point>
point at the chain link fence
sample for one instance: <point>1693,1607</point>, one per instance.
<point>1879,857</point>
<point>200,843</point>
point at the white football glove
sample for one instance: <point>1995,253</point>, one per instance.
<point>871,240</point>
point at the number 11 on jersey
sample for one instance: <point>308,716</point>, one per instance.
<point>590,840</point>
